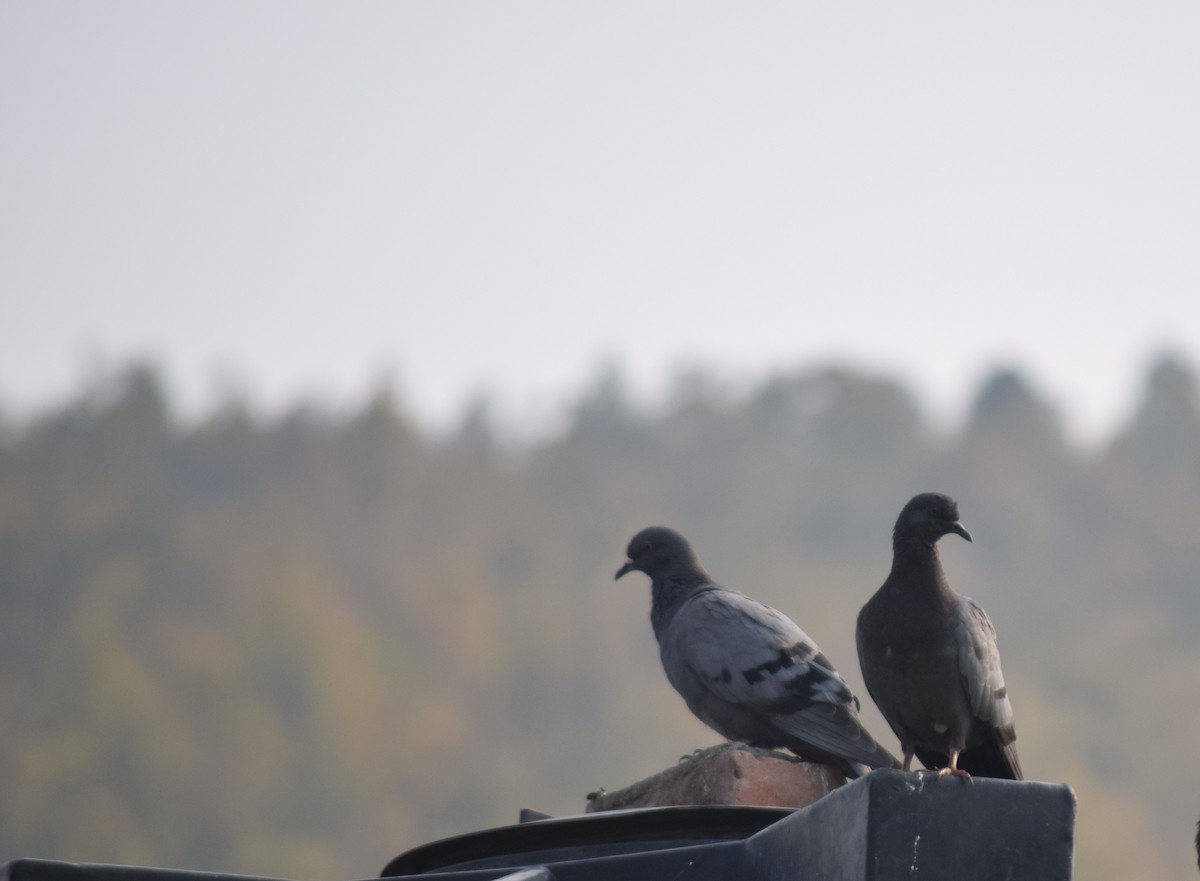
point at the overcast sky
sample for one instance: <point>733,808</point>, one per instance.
<point>300,198</point>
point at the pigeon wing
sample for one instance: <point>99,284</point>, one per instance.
<point>979,666</point>
<point>752,661</point>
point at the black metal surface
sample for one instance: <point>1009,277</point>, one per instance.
<point>533,873</point>
<point>586,836</point>
<point>887,826</point>
<point>987,830</point>
<point>55,870</point>
<point>892,826</point>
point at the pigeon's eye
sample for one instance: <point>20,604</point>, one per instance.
<point>644,549</point>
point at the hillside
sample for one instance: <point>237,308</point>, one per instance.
<point>299,646</point>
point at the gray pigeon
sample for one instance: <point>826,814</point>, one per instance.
<point>929,656</point>
<point>745,669</point>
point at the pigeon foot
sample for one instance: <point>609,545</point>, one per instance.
<point>954,772</point>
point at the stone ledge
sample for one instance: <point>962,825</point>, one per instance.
<point>728,774</point>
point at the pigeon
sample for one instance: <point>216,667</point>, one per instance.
<point>743,668</point>
<point>929,656</point>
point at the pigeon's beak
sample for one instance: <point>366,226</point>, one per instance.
<point>959,529</point>
<point>628,567</point>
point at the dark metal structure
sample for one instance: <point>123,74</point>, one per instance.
<point>886,826</point>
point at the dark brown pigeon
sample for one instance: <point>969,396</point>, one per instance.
<point>745,669</point>
<point>929,656</point>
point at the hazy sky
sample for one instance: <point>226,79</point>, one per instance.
<point>304,197</point>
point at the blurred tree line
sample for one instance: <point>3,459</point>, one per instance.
<point>299,646</point>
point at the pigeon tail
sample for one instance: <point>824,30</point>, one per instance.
<point>988,759</point>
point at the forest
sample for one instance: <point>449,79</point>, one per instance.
<point>298,645</point>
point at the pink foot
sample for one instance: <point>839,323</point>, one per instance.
<point>954,772</point>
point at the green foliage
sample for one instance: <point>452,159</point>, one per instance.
<point>298,648</point>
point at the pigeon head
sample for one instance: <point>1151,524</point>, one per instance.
<point>926,518</point>
<point>658,550</point>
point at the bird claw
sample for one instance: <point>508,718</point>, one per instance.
<point>954,772</point>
